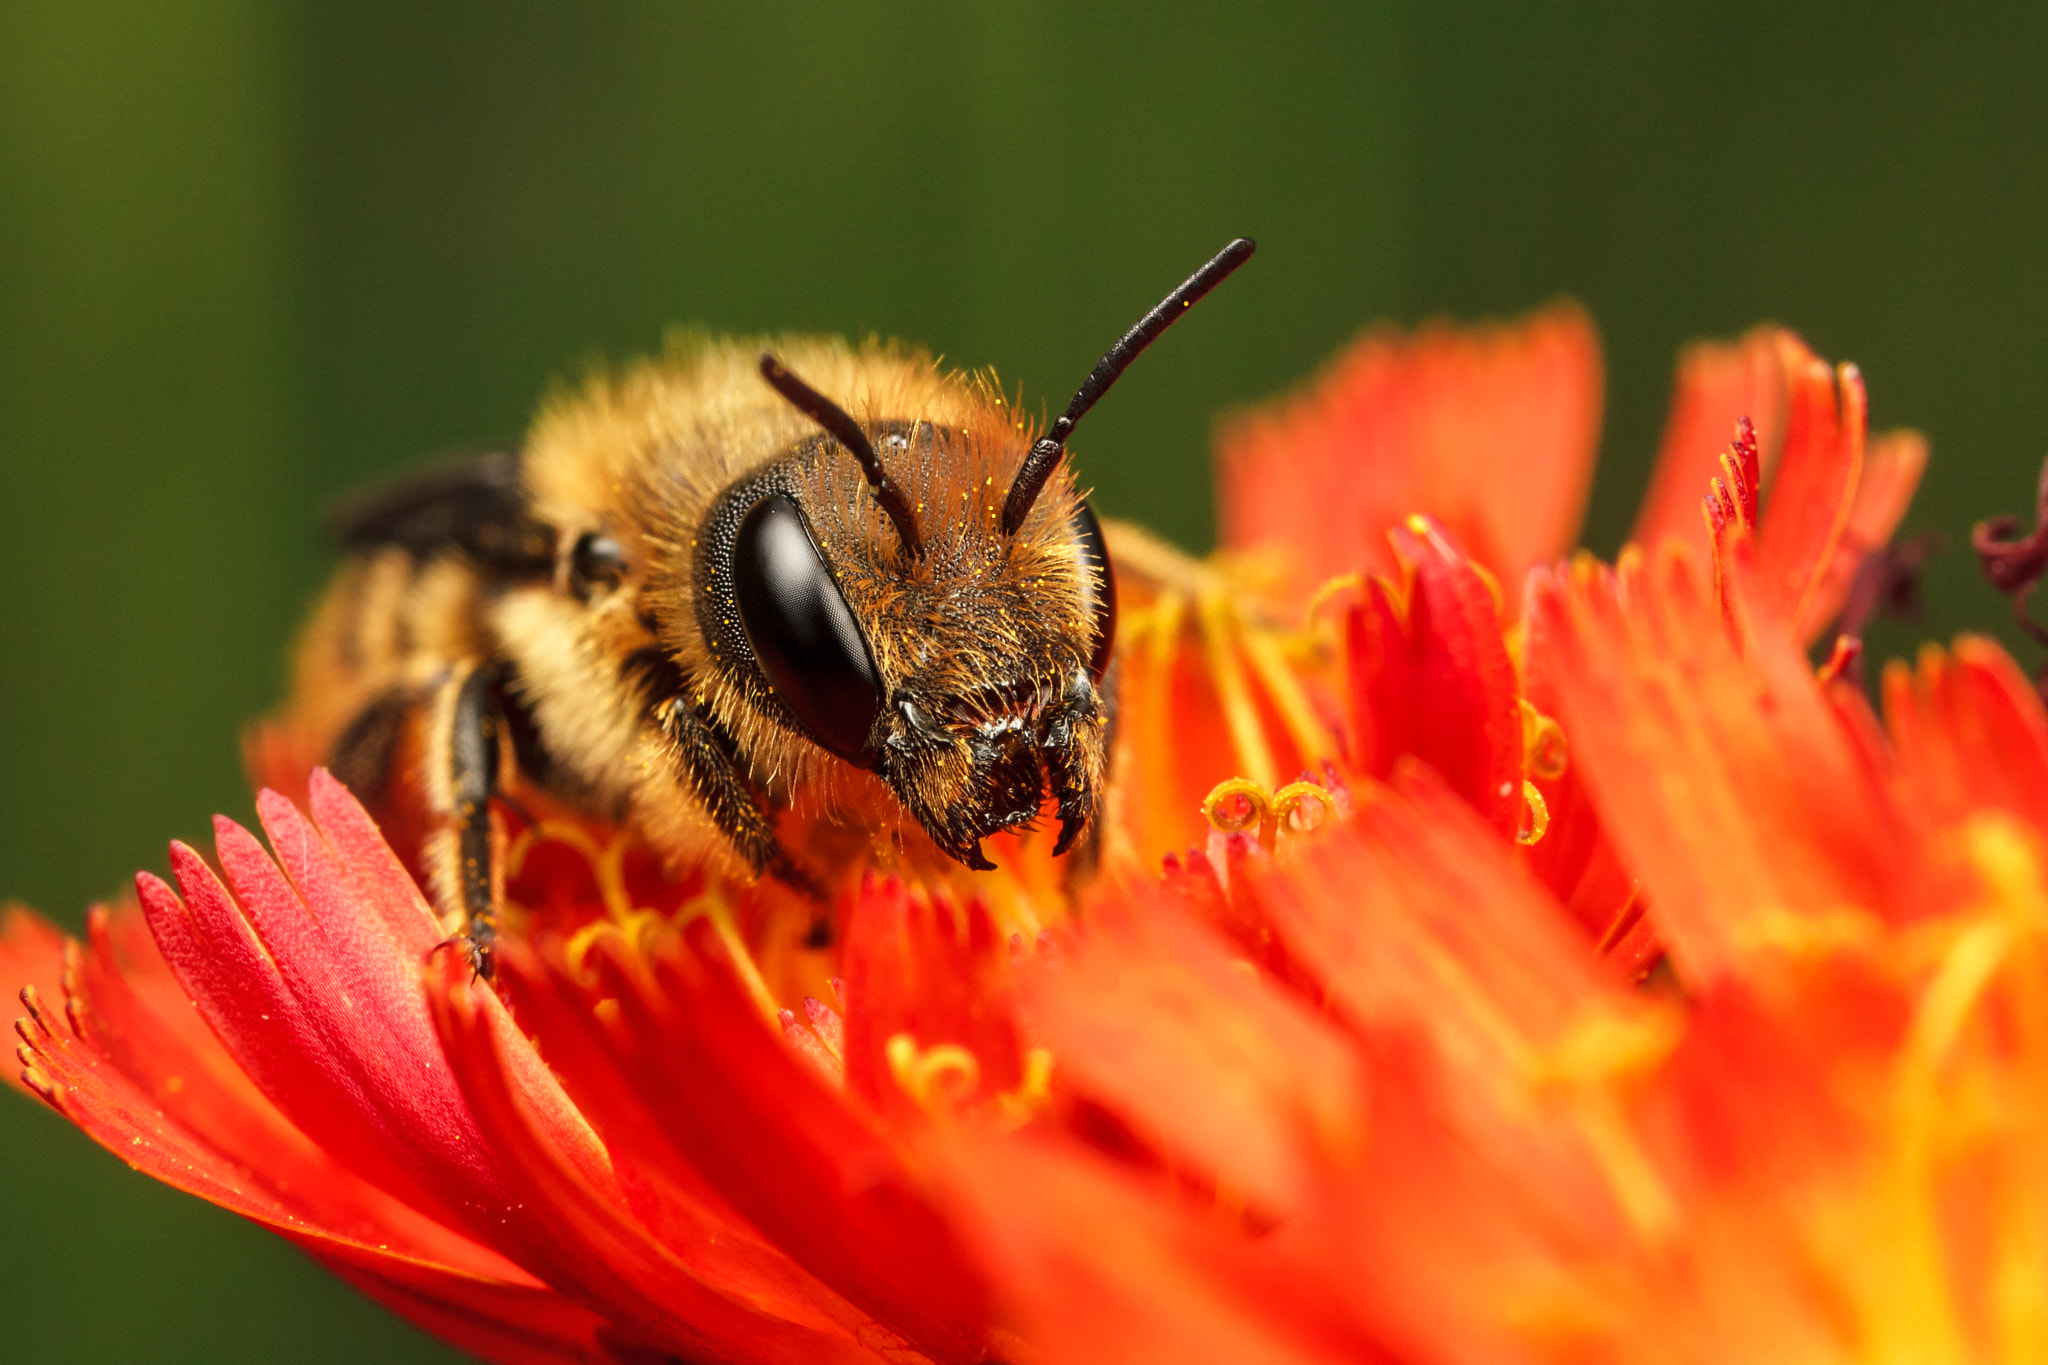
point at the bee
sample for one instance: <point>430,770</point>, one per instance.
<point>704,590</point>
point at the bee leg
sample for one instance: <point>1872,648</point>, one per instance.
<point>473,779</point>
<point>711,762</point>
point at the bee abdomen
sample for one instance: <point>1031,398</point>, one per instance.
<point>390,623</point>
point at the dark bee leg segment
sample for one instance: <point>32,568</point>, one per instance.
<point>1072,784</point>
<point>361,758</point>
<point>715,774</point>
<point>473,774</point>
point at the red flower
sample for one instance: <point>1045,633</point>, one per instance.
<point>1363,1076</point>
<point>1447,1134</point>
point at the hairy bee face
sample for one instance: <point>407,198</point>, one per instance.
<point>966,675</point>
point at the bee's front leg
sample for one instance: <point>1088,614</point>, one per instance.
<point>473,724</point>
<point>727,797</point>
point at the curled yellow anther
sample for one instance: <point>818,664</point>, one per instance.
<point>937,1078</point>
<point>634,928</point>
<point>1033,1092</point>
<point>1544,752</point>
<point>1237,804</point>
<point>1539,816</point>
<point>607,860</point>
<point>1300,807</point>
<point>1329,592</point>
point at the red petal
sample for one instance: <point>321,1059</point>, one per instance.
<point>1432,678</point>
<point>1575,858</point>
<point>297,1192</point>
<point>224,970</point>
<point>512,1324</point>
<point>669,1196</point>
<point>787,1151</point>
<point>598,1250</point>
<point>355,950</point>
<point>129,1009</point>
<point>1492,431</point>
<point>935,970</point>
<point>317,992</point>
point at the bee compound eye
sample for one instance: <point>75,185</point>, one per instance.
<point>595,562</point>
<point>1101,588</point>
<point>803,634</point>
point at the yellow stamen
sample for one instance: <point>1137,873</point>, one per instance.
<point>1237,804</point>
<point>937,1078</point>
<point>1544,753</point>
<point>1269,661</point>
<point>1604,1046</point>
<point>1300,808</point>
<point>719,913</point>
<point>1539,816</point>
<point>1240,713</point>
<point>634,929</point>
<point>1033,1092</point>
<point>1151,702</point>
<point>1330,592</point>
<point>607,861</point>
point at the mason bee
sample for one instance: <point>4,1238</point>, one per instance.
<point>705,590</point>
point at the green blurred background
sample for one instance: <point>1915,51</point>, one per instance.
<point>253,253</point>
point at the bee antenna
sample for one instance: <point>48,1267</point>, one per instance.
<point>1047,450</point>
<point>847,432</point>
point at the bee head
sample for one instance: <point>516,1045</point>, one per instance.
<point>940,609</point>
<point>963,666</point>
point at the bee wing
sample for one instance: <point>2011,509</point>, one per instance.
<point>473,503</point>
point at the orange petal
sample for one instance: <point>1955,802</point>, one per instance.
<point>1808,508</point>
<point>1892,465</point>
<point>1724,780</point>
<point>31,954</point>
<point>1491,430</point>
<point>1719,383</point>
<point>1097,1269</point>
<point>1970,732</point>
<point>1157,1021</point>
<point>1208,689</point>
